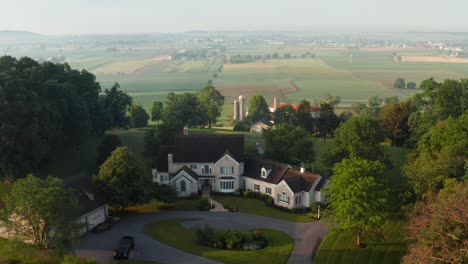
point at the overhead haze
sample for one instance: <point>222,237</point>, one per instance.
<point>125,16</point>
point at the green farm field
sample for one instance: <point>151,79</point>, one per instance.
<point>352,74</point>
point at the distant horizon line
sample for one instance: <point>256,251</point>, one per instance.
<point>235,31</point>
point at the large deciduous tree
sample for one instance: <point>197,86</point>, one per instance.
<point>157,111</point>
<point>442,153</point>
<point>328,120</point>
<point>138,116</point>
<point>212,101</point>
<point>284,115</point>
<point>123,180</point>
<point>358,199</point>
<point>257,108</point>
<point>400,83</point>
<point>43,211</point>
<point>360,137</point>
<point>117,103</point>
<point>45,107</point>
<point>184,109</point>
<point>437,102</point>
<point>438,228</point>
<point>394,120</point>
<point>288,144</point>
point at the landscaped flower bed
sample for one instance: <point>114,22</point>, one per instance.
<point>230,239</point>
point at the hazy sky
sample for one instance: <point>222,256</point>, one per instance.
<point>136,16</point>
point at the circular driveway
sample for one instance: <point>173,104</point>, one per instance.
<point>306,236</point>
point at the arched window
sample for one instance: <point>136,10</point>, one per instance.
<point>182,186</point>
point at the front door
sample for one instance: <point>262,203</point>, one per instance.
<point>206,184</point>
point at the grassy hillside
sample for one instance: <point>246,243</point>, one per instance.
<point>338,247</point>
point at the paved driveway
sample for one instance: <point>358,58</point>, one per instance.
<point>306,236</point>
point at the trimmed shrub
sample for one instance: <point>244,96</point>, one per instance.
<point>269,202</point>
<point>205,234</point>
<point>204,204</point>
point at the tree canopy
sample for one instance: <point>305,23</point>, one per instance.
<point>442,153</point>
<point>394,120</point>
<point>288,144</point>
<point>184,109</point>
<point>212,101</point>
<point>437,102</point>
<point>45,107</point>
<point>157,111</point>
<point>360,137</point>
<point>108,144</point>
<point>438,227</point>
<point>123,180</point>
<point>358,199</point>
<point>43,211</point>
<point>138,116</point>
<point>257,108</point>
<point>400,83</point>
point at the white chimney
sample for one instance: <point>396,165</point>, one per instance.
<point>302,169</point>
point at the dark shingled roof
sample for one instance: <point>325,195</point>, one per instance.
<point>202,148</point>
<point>188,171</point>
<point>253,166</point>
<point>298,181</point>
<point>321,184</point>
<point>89,197</point>
<point>162,157</point>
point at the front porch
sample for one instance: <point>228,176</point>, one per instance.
<point>206,183</point>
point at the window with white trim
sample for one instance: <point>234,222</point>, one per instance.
<point>256,187</point>
<point>282,197</point>
<point>164,178</point>
<point>193,166</point>
<point>226,185</point>
<point>227,170</point>
<point>206,169</point>
<point>183,188</point>
<point>298,200</point>
<point>267,190</point>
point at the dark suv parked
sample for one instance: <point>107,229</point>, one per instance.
<point>122,250</point>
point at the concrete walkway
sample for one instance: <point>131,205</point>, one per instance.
<point>217,206</point>
<point>306,236</point>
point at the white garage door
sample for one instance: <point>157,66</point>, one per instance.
<point>96,217</point>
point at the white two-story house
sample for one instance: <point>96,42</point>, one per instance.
<point>218,163</point>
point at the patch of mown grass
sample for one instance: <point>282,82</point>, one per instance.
<point>170,232</point>
<point>338,247</point>
<point>258,207</point>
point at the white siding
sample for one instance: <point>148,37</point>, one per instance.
<point>249,185</point>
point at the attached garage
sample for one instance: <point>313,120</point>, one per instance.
<point>93,205</point>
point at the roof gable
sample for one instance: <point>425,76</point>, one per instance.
<point>185,171</point>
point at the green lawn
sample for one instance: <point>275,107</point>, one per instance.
<point>338,247</point>
<point>11,251</point>
<point>173,234</point>
<point>258,207</point>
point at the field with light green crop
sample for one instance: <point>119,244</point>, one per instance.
<point>352,74</point>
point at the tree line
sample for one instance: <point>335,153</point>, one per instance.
<point>45,107</point>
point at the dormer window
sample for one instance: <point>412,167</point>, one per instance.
<point>264,173</point>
